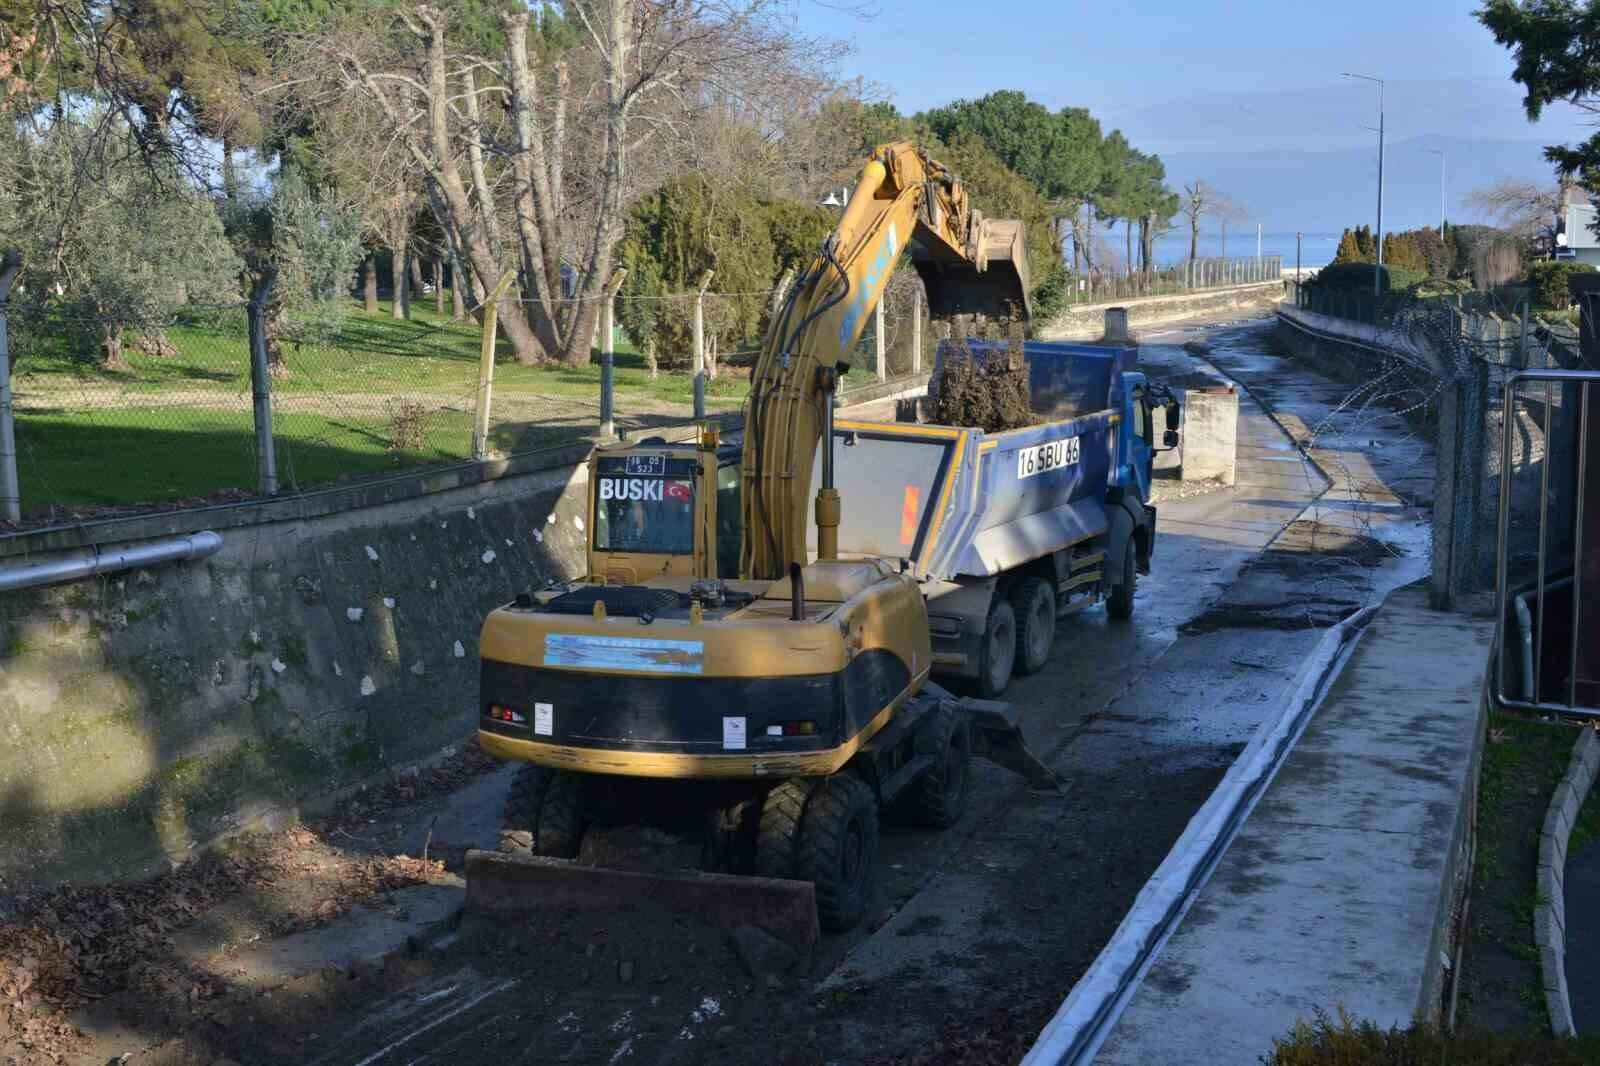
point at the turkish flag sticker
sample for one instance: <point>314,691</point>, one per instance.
<point>678,490</point>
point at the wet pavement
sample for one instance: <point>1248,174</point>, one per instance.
<point>1583,937</point>
<point>1140,720</point>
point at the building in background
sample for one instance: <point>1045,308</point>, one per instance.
<point>1575,229</point>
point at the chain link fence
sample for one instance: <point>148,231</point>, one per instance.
<point>118,417</point>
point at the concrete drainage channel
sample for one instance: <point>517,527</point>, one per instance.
<point>1092,1008</point>
<point>1550,917</point>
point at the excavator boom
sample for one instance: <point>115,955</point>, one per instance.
<point>905,203</point>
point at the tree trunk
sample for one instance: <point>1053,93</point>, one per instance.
<point>419,284</point>
<point>458,303</point>
<point>1194,235</point>
<point>399,269</point>
<point>112,356</point>
<point>369,286</point>
<point>538,226</point>
<point>438,285</point>
<point>1088,238</point>
<point>430,145</point>
<point>1127,238</point>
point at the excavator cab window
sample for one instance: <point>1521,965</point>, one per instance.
<point>645,506</point>
<point>728,479</point>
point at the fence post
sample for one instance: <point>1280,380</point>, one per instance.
<point>608,356</point>
<point>491,314</point>
<point>10,494</point>
<point>916,331</point>
<point>880,362</point>
<point>699,346</point>
<point>261,384</point>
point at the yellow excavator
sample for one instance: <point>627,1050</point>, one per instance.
<point>706,669</point>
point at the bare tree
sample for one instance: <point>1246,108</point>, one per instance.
<point>499,140</point>
<point>1526,209</point>
<point>1203,200</point>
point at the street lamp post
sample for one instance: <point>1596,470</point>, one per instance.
<point>1377,270</point>
<point>1440,153</point>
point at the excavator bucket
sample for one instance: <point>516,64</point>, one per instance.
<point>993,282</point>
<point>511,885</point>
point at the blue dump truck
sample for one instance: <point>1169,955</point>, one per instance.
<point>1009,531</point>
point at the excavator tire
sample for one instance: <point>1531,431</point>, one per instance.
<point>544,813</point>
<point>939,797</point>
<point>838,849</point>
<point>778,832</point>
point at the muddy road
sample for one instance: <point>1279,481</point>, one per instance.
<point>976,933</point>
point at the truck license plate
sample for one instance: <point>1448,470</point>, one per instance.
<point>1051,455</point>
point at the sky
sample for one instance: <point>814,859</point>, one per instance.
<point>1215,84</point>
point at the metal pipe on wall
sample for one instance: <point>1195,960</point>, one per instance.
<point>88,562</point>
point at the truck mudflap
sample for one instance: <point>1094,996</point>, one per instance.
<point>997,736</point>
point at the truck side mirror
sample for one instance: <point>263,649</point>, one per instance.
<point>1173,414</point>
<point>1170,439</point>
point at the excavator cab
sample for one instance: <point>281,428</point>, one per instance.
<point>663,510</point>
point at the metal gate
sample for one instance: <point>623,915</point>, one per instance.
<point>1548,618</point>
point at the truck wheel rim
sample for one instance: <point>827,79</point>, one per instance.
<point>1039,627</point>
<point>1002,649</point>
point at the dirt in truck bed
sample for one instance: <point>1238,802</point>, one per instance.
<point>991,394</point>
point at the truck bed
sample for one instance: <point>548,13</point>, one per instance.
<point>957,502</point>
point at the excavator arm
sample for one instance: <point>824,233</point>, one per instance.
<point>904,203</point>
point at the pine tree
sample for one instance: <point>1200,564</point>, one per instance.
<point>1349,251</point>
<point>1367,246</point>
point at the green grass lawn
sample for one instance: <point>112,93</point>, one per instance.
<point>180,426</point>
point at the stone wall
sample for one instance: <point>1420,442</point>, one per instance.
<point>1088,320</point>
<point>143,714</point>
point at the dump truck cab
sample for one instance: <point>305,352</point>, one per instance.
<point>663,510</point>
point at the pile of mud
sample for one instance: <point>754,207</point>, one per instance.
<point>991,394</point>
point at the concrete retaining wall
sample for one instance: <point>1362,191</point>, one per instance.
<point>1088,320</point>
<point>146,713</point>
<point>331,641</point>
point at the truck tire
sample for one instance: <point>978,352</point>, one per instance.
<point>1034,603</point>
<point>939,797</point>
<point>1119,604</point>
<point>544,813</point>
<point>778,830</point>
<point>838,849</point>
<point>997,653</point>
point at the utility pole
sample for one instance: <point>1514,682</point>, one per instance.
<point>1377,270</point>
<point>1440,153</point>
<point>700,346</point>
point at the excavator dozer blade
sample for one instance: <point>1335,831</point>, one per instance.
<point>502,884</point>
<point>997,736</point>
<point>994,283</point>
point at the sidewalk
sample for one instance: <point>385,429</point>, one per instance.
<point>1339,891</point>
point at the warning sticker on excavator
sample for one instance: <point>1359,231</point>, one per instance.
<point>910,514</point>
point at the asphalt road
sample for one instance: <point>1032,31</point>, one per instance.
<point>976,933</point>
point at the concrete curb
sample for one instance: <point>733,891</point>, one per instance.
<point>1094,1005</point>
<point>1550,913</point>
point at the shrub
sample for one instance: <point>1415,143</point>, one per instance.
<point>1346,1042</point>
<point>1548,280</point>
<point>1351,276</point>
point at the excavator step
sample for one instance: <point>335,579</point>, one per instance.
<point>502,884</point>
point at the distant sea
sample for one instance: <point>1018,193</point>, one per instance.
<point>1316,249</point>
